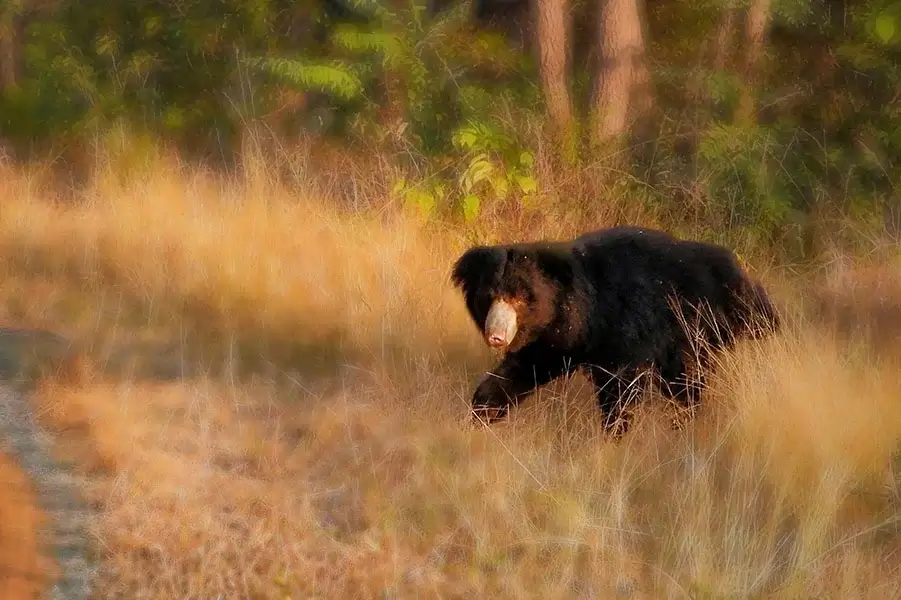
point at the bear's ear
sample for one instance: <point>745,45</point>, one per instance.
<point>475,265</point>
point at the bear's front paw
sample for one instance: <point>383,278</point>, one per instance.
<point>486,415</point>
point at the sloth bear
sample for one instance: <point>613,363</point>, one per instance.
<point>615,302</point>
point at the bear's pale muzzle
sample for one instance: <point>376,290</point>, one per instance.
<point>500,325</point>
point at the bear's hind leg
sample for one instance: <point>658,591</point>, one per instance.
<point>684,387</point>
<point>615,393</point>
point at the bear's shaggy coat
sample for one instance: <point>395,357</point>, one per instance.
<point>614,302</point>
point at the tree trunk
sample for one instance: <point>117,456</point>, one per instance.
<point>622,79</point>
<point>552,32</point>
<point>9,57</point>
<point>838,10</point>
<point>756,27</point>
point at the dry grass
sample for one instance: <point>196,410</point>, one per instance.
<point>277,404</point>
<point>24,569</point>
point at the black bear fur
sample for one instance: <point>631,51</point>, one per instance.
<point>604,302</point>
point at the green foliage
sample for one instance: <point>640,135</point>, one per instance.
<point>425,71</point>
<point>423,198</point>
<point>455,102</point>
<point>87,65</point>
<point>332,78</point>
<point>495,167</point>
<point>882,23</point>
<point>359,42</point>
<point>744,172</point>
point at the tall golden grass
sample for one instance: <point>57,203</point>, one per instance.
<point>356,479</point>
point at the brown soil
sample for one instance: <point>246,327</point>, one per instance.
<point>24,571</point>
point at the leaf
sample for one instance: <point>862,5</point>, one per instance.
<point>885,28</point>
<point>140,64</point>
<point>331,78</point>
<point>107,45</point>
<point>356,40</point>
<point>152,26</point>
<point>527,184</point>
<point>500,186</point>
<point>527,160</point>
<point>464,138</point>
<point>174,118</point>
<point>479,169</point>
<point>423,201</point>
<point>471,206</point>
<point>399,185</point>
<point>371,8</point>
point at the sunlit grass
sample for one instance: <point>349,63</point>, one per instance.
<point>358,478</point>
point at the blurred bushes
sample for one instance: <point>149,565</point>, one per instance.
<point>457,107</point>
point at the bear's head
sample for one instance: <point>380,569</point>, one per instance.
<point>513,292</point>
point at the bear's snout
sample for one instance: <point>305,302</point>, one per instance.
<point>497,340</point>
<point>500,325</point>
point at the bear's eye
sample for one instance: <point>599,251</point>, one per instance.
<point>520,301</point>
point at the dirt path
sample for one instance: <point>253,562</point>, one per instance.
<point>24,568</point>
<point>25,445</point>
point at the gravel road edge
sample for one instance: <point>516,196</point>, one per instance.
<point>66,539</point>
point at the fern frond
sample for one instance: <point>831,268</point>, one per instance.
<point>329,77</point>
<point>357,41</point>
<point>450,20</point>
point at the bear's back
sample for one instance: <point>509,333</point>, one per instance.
<point>624,251</point>
<point>636,260</point>
<point>631,243</point>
